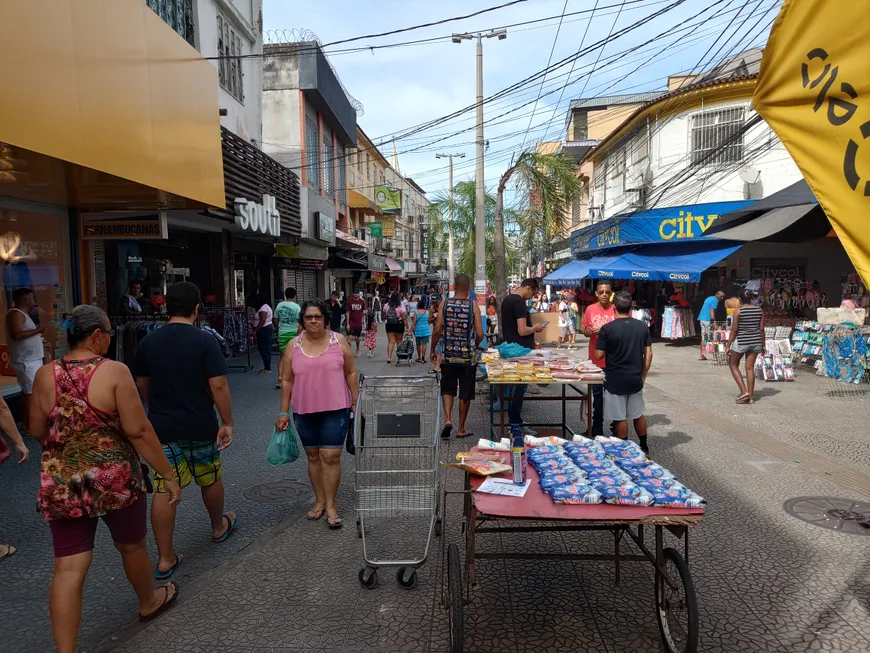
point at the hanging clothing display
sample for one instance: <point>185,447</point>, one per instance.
<point>678,323</point>
<point>642,314</point>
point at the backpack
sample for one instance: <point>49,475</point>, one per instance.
<point>458,331</point>
<point>392,315</point>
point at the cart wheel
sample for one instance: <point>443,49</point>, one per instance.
<point>368,578</point>
<point>677,608</point>
<point>438,527</point>
<point>409,584</point>
<point>358,529</point>
<point>454,599</point>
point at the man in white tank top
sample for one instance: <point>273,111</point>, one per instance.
<point>26,350</point>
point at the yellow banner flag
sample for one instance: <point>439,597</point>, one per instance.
<point>814,92</point>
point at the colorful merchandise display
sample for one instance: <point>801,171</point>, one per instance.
<point>607,470</point>
<point>678,323</point>
<point>846,354</point>
<point>715,338</point>
<point>540,366</point>
<point>852,288</point>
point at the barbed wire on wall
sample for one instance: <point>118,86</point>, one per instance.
<point>304,35</point>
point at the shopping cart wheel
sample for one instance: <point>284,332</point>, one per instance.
<point>358,528</point>
<point>677,608</point>
<point>438,527</point>
<point>454,599</point>
<point>368,577</point>
<point>406,580</point>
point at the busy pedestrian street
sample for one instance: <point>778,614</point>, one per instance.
<point>765,580</point>
<point>471,326</point>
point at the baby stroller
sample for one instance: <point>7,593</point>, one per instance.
<point>405,352</point>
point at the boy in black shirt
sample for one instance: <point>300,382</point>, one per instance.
<point>516,326</point>
<point>627,345</point>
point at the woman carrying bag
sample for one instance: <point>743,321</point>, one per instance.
<point>320,382</point>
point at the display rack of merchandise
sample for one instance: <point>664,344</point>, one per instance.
<point>807,340</point>
<point>852,288</point>
<point>715,338</point>
<point>678,323</point>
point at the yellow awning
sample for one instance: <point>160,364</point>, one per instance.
<point>357,200</point>
<point>106,85</point>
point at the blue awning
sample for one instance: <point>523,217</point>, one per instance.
<point>577,270</point>
<point>673,224</point>
<point>684,262</point>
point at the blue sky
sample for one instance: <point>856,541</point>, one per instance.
<point>406,86</point>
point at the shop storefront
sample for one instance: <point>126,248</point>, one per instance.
<point>301,267</point>
<point>71,153</point>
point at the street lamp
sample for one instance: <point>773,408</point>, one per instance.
<point>479,205</point>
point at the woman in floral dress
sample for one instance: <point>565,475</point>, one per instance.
<point>371,341</point>
<point>89,419</point>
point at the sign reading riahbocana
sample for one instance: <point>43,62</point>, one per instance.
<point>258,218</point>
<point>140,229</point>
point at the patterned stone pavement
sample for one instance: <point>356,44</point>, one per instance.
<point>765,581</point>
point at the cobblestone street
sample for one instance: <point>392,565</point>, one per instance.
<point>765,580</point>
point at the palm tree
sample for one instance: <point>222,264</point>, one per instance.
<point>464,229</point>
<point>547,186</point>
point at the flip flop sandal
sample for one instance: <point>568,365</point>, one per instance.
<point>333,522</point>
<point>743,399</point>
<point>163,575</point>
<point>446,431</point>
<point>10,551</point>
<point>231,526</point>
<point>319,512</point>
<point>465,435</point>
<point>167,603</point>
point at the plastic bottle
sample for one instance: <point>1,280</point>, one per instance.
<point>518,455</point>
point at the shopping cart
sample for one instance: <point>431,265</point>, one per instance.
<point>397,473</point>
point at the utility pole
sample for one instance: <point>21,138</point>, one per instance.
<point>479,182</point>
<point>450,256</point>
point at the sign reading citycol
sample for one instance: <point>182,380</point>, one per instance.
<point>814,92</point>
<point>258,218</point>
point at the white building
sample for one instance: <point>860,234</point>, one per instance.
<point>698,144</point>
<point>233,31</point>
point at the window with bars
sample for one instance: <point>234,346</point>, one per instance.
<point>717,137</point>
<point>178,14</point>
<point>328,166</point>
<point>312,152</point>
<point>230,63</point>
<point>342,178</point>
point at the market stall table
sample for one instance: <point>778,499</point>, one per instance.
<point>676,603</point>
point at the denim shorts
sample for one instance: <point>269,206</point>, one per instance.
<point>326,430</point>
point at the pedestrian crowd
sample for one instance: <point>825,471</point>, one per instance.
<point>102,453</point>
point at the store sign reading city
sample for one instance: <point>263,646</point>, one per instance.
<point>259,218</point>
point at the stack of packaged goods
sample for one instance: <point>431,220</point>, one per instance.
<point>611,470</point>
<point>560,477</point>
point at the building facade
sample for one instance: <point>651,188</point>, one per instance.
<point>308,124</point>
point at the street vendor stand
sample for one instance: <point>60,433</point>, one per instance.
<point>584,397</point>
<point>675,600</point>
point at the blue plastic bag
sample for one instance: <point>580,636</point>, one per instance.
<point>283,447</point>
<point>512,350</point>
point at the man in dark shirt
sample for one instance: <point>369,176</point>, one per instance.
<point>336,310</point>
<point>628,347</point>
<point>516,327</point>
<point>356,309</point>
<point>181,371</point>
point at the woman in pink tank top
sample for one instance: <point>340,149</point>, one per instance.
<point>319,381</point>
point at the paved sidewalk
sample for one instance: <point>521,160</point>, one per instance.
<point>766,582</point>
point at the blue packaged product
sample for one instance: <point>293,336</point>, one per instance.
<point>600,482</point>
<point>575,494</point>
<point>649,471</point>
<point>627,494</point>
<point>672,493</point>
<point>546,450</point>
<point>567,473</point>
<point>556,480</point>
<point>656,483</point>
<point>693,501</point>
<point>612,472</point>
<point>552,463</point>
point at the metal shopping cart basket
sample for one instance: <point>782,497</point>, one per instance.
<point>397,473</point>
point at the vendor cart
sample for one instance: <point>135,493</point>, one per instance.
<point>675,601</point>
